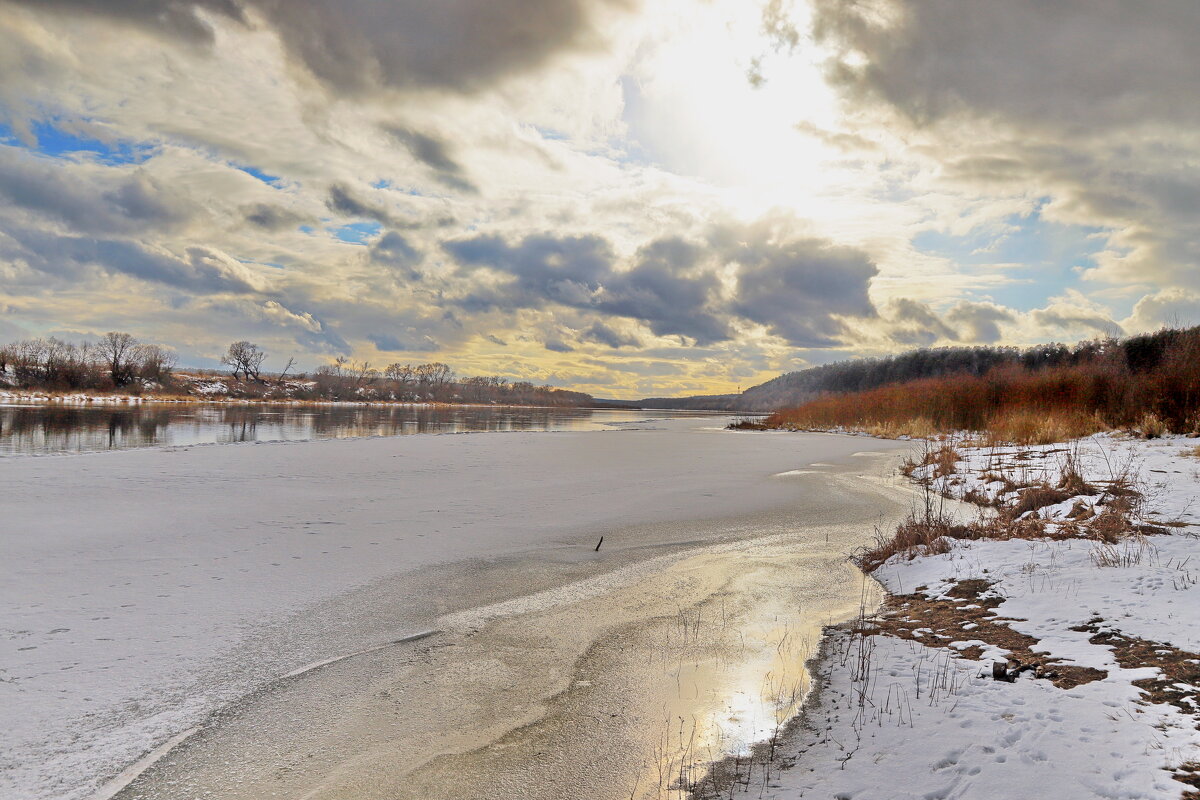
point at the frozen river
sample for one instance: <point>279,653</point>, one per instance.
<point>151,592</point>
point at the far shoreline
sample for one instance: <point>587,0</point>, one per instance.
<point>75,399</point>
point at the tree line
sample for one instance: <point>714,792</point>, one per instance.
<point>1136,354</point>
<point>344,379</point>
<point>1149,382</point>
<point>119,362</point>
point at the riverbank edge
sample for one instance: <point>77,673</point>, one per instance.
<point>772,768</point>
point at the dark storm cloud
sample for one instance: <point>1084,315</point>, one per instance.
<point>665,291</point>
<point>434,154</point>
<point>547,269</point>
<point>581,272</point>
<point>1075,64</point>
<point>800,288</point>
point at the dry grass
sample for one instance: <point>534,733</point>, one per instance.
<point>1041,427</point>
<point>1151,427</point>
<point>944,461</point>
<point>929,530</point>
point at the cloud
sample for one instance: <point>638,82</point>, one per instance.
<point>801,289</point>
<point>435,154</point>
<point>271,217</point>
<point>202,270</point>
<point>343,200</point>
<point>89,198</point>
<point>459,45</point>
<point>179,18</point>
<point>1086,105</point>
<point>978,322</point>
<point>915,323</point>
<point>1070,320</point>
<point>547,269</point>
<point>1171,307</point>
<point>1067,65</point>
<point>393,250</point>
<point>359,46</point>
<point>667,291</point>
<point>394,343</point>
<point>599,333</point>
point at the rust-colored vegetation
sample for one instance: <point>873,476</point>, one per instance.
<point>1149,384</point>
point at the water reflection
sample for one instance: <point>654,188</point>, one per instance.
<point>27,430</point>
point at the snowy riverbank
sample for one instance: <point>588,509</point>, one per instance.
<point>1095,604</point>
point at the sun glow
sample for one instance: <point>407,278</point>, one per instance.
<point>719,99</point>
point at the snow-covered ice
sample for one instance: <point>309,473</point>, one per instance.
<point>142,589</point>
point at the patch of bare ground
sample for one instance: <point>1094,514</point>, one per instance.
<point>1189,774</point>
<point>1177,683</point>
<point>967,612</point>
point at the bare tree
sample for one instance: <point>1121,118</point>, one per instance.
<point>286,369</point>
<point>117,351</point>
<point>155,363</point>
<point>246,358</point>
<point>363,373</point>
<point>399,372</point>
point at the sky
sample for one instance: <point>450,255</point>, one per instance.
<point>626,197</point>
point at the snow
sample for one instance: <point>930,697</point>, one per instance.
<point>945,731</point>
<point>918,723</point>
<point>142,589</point>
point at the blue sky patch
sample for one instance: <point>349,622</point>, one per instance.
<point>255,172</point>
<point>357,232</point>
<point>1043,258</point>
<point>56,142</point>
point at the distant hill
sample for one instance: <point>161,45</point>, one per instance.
<point>843,377</point>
